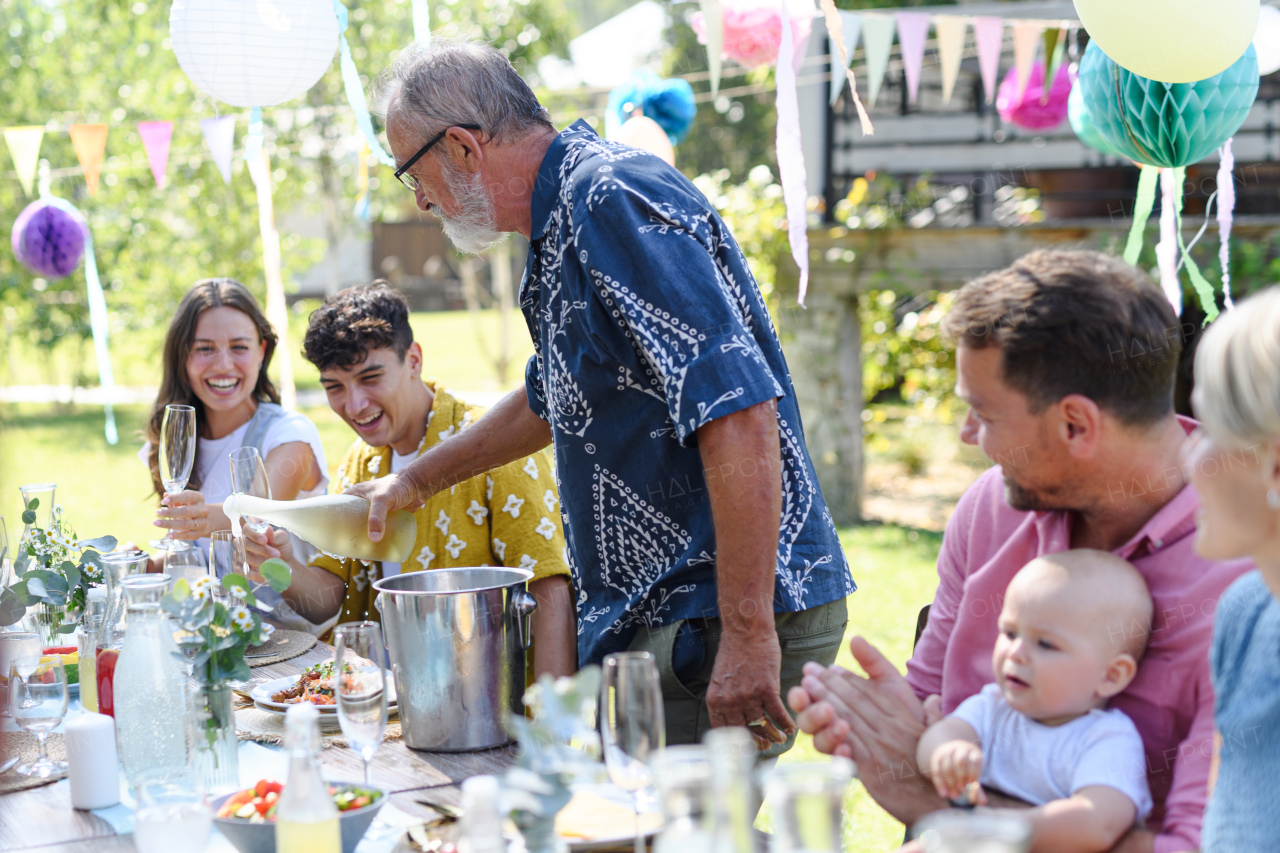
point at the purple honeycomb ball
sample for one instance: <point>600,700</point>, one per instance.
<point>49,240</point>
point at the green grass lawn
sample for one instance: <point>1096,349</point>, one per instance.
<point>106,490</point>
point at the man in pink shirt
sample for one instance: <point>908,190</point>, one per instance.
<point>1067,362</point>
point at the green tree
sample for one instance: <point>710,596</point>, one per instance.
<point>111,61</point>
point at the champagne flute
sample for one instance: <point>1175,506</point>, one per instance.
<point>38,700</point>
<point>632,724</point>
<point>222,560</point>
<point>177,457</point>
<point>361,691</point>
<point>249,477</point>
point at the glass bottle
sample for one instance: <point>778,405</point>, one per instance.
<point>480,828</point>
<point>91,626</point>
<point>336,524</point>
<point>116,566</point>
<point>734,795</point>
<point>683,774</point>
<point>306,818</point>
<point>808,806</point>
<point>44,511</point>
<point>149,687</point>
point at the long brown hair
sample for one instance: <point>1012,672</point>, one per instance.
<point>175,388</point>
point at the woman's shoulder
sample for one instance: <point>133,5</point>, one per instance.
<point>291,426</point>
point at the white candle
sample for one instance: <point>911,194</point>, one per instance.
<point>91,756</point>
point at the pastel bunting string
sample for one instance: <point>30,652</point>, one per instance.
<point>355,90</point>
<point>790,154</point>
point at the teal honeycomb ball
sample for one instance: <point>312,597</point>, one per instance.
<point>1082,124</point>
<point>1166,124</point>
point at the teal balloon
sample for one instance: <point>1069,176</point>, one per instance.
<point>1166,124</point>
<point>1082,124</point>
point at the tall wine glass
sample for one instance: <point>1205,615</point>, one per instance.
<point>632,725</point>
<point>38,701</point>
<point>177,457</point>
<point>14,646</point>
<point>361,690</point>
<point>249,477</point>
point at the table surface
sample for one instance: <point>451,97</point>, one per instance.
<point>42,818</point>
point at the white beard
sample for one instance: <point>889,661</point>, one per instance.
<point>473,229</point>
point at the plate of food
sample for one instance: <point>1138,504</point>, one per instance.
<point>597,819</point>
<point>314,685</point>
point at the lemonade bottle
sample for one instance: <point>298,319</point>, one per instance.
<point>306,818</point>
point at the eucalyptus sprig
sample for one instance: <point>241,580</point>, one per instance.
<point>53,568</point>
<point>224,632</point>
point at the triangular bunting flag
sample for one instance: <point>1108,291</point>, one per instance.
<point>1055,42</point>
<point>156,136</point>
<point>90,143</point>
<point>713,20</point>
<point>951,29</point>
<point>791,171</point>
<point>913,29</point>
<point>989,34</point>
<point>877,38</point>
<point>220,136</point>
<point>1026,35</point>
<point>844,29</point>
<point>24,148</point>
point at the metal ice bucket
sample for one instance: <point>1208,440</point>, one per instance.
<point>457,639</point>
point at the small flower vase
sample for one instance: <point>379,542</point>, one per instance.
<point>538,827</point>
<point>48,619</point>
<point>211,736</point>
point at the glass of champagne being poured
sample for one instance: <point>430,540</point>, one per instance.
<point>177,457</point>
<point>633,728</point>
<point>360,686</point>
<point>249,477</point>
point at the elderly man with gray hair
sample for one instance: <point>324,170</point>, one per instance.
<point>695,527</point>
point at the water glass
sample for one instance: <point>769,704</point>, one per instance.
<point>14,645</point>
<point>360,690</point>
<point>808,804</point>
<point>177,457</point>
<point>633,728</point>
<point>188,564</point>
<point>249,477</point>
<point>683,774</point>
<point>38,701</point>
<point>171,816</point>
<point>978,831</point>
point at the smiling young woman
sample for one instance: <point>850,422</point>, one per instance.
<point>216,356</point>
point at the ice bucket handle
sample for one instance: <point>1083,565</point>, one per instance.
<point>522,605</point>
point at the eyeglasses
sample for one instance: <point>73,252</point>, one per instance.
<point>402,173</point>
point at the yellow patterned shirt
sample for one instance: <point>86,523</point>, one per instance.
<point>507,517</point>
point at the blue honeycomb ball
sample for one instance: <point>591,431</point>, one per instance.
<point>1166,124</point>
<point>1082,123</point>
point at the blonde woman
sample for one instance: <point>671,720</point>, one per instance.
<point>1234,462</point>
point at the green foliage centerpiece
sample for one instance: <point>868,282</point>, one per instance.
<point>216,631</point>
<point>54,571</point>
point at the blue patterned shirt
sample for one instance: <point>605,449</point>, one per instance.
<point>647,324</point>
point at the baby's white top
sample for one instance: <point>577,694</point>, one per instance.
<point>1038,763</point>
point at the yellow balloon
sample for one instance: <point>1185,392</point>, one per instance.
<point>1173,41</point>
<point>644,132</point>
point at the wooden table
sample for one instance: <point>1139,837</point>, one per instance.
<point>42,818</point>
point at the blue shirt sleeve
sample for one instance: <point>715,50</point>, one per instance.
<point>668,304</point>
<point>534,389</point>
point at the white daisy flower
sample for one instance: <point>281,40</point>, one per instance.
<point>267,630</point>
<point>238,592</point>
<point>241,617</point>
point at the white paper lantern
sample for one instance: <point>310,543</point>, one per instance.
<point>1267,40</point>
<point>254,53</point>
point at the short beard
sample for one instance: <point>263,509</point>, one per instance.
<point>1029,500</point>
<point>473,230</point>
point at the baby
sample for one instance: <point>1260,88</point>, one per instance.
<point>1073,628</point>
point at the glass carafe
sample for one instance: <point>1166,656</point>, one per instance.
<point>44,511</point>
<point>149,689</point>
<point>735,797</point>
<point>808,805</point>
<point>116,566</point>
<point>683,774</point>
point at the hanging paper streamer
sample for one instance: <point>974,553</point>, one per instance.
<point>1142,208</point>
<point>790,153</point>
<point>156,136</point>
<point>97,318</point>
<point>220,136</point>
<point>253,139</point>
<point>277,310</point>
<point>877,38</point>
<point>355,91</point>
<point>913,29</point>
<point>421,21</point>
<point>950,29</point>
<point>1055,42</point>
<point>844,29</point>
<point>1203,289</point>
<point>1026,35</point>
<point>989,34</point>
<point>90,144</point>
<point>1226,210</point>
<point>1167,248</point>
<point>24,148</point>
<point>362,185</point>
<point>713,18</point>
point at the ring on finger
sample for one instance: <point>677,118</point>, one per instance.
<point>757,723</point>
